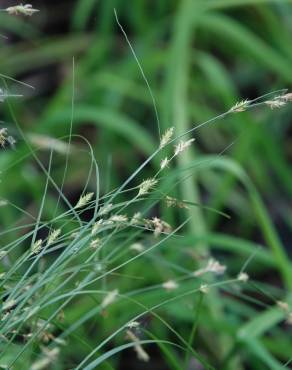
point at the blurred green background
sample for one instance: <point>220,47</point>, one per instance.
<point>200,58</point>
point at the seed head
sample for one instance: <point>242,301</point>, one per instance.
<point>21,9</point>
<point>109,298</point>
<point>137,247</point>
<point>287,97</point>
<point>118,219</point>
<point>95,243</point>
<point>37,246</point>
<point>133,324</point>
<point>212,266</point>
<point>240,106</point>
<point>53,236</point>
<point>146,186</point>
<point>3,137</point>
<point>276,103</point>
<point>73,235</point>
<point>204,288</point>
<point>105,209</point>
<point>83,200</point>
<point>173,202</point>
<point>136,219</point>
<point>166,137</point>
<point>159,226</point>
<point>182,145</point>
<point>243,276</point>
<point>164,163</point>
<point>96,226</point>
<point>170,285</point>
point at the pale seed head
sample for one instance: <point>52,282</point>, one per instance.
<point>240,106</point>
<point>53,236</point>
<point>170,285</point>
<point>166,137</point>
<point>182,146</point>
<point>84,200</point>
<point>146,186</point>
<point>21,9</point>
<point>164,163</point>
<point>243,276</point>
<point>204,288</point>
<point>36,247</point>
<point>3,137</point>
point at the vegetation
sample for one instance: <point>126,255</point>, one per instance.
<point>145,185</point>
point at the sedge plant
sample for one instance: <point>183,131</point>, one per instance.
<point>108,274</point>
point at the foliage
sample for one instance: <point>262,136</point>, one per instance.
<point>135,214</point>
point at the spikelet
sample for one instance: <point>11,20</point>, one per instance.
<point>173,202</point>
<point>286,97</point>
<point>204,288</point>
<point>170,285</point>
<point>136,219</point>
<point>240,106</point>
<point>133,324</point>
<point>21,9</point>
<point>37,246</point>
<point>96,227</point>
<point>182,146</point>
<point>105,209</point>
<point>243,276</point>
<point>146,186</point>
<point>164,163</point>
<point>275,103</point>
<point>158,226</point>
<point>3,137</point>
<point>212,266</point>
<point>95,243</point>
<point>53,236</point>
<point>84,200</point>
<point>166,137</point>
<point>118,219</point>
<point>137,247</point>
<point>109,298</point>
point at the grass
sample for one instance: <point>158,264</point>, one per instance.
<point>104,253</point>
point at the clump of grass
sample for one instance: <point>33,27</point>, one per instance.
<point>125,265</point>
<point>84,262</point>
